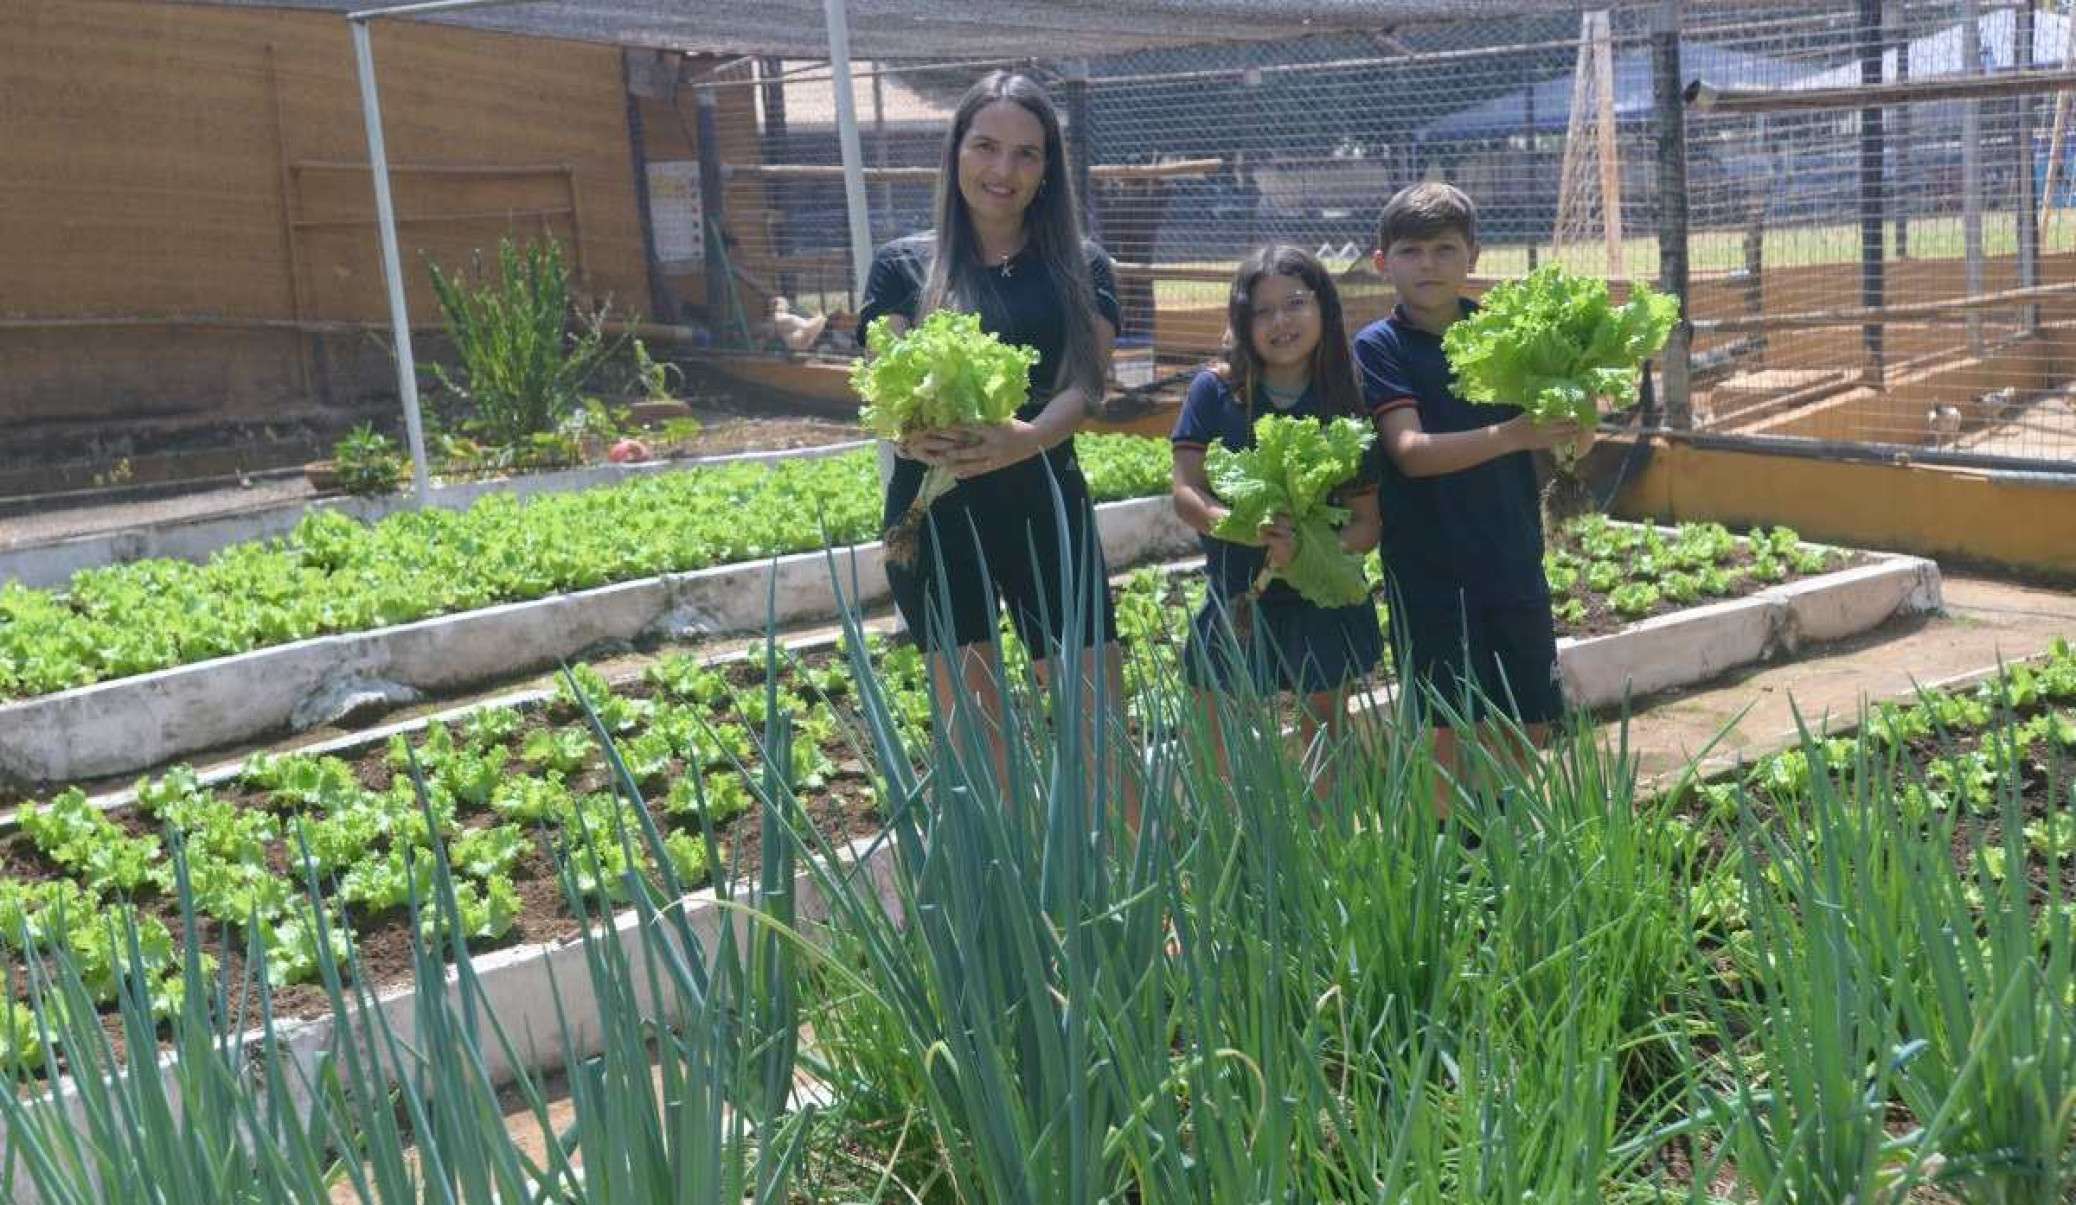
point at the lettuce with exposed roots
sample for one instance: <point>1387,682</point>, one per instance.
<point>1554,343</point>
<point>945,372</point>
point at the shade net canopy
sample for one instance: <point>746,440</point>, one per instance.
<point>934,29</point>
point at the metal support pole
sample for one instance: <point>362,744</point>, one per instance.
<point>713,212</point>
<point>1531,152</point>
<point>2028,218</point>
<point>853,174</point>
<point>1971,168</point>
<point>392,268</point>
<point>1899,38</point>
<point>662,306</point>
<point>1250,82</point>
<point>847,139</point>
<point>777,149</point>
<point>879,139</point>
<point>1080,141</point>
<point>1871,199</point>
<point>1676,391</point>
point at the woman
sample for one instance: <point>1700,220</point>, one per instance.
<point>1019,527</point>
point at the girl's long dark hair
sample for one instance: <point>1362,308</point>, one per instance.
<point>959,279</point>
<point>1333,371</point>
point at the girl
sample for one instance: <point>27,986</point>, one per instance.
<point>1019,527</point>
<point>1287,353</point>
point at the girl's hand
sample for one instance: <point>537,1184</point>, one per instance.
<point>985,449</point>
<point>1280,541</point>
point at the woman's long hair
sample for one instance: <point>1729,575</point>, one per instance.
<point>1333,371</point>
<point>959,279</point>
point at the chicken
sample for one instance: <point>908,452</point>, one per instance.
<point>1944,422</point>
<point>797,333</point>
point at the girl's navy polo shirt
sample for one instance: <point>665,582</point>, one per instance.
<point>1478,531</point>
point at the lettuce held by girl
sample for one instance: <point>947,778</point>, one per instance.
<point>1293,470</point>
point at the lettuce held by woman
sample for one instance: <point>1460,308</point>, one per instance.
<point>946,372</point>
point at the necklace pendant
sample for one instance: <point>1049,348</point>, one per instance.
<point>1008,269</point>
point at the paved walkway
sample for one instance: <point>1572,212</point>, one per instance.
<point>1753,711</point>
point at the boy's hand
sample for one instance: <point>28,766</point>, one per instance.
<point>1280,541</point>
<point>1535,437</point>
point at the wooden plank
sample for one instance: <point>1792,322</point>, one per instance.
<point>1610,149</point>
<point>1711,99</point>
<point>437,169</point>
<point>435,219</point>
<point>1859,315</point>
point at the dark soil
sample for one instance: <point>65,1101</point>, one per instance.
<point>1602,619</point>
<point>840,813</point>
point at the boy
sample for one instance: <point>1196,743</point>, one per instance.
<point>1463,541</point>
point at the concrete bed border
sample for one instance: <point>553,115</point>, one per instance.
<point>50,564</point>
<point>131,724</point>
<point>1696,644</point>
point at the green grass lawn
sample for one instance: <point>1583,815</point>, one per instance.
<point>1714,251</point>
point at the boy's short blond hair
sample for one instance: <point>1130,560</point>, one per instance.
<point>1425,210</point>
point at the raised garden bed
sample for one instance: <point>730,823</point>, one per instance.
<point>508,787</point>
<point>1955,763</point>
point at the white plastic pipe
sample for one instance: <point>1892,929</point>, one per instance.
<point>392,270</point>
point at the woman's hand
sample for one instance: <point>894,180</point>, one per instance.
<point>984,449</point>
<point>1280,541</point>
<point>932,447</point>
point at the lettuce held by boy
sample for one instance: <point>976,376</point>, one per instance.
<point>1551,343</point>
<point>945,372</point>
<point>1293,469</point>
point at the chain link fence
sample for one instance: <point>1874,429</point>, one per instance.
<point>1537,120</point>
<point>1862,279</point>
<point>1872,274</point>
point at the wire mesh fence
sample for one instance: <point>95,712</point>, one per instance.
<point>1924,213</point>
<point>1538,120</point>
<point>1890,271</point>
<point>1865,273</point>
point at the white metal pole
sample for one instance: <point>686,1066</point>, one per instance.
<point>392,270</point>
<point>853,171</point>
<point>847,139</point>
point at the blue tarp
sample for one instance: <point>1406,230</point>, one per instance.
<point>1939,53</point>
<point>1507,115</point>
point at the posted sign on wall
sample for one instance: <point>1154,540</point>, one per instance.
<point>674,213</point>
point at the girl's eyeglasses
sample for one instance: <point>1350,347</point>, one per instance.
<point>1295,306</point>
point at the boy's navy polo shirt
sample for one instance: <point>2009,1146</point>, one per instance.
<point>1212,413</point>
<point>1479,530</point>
